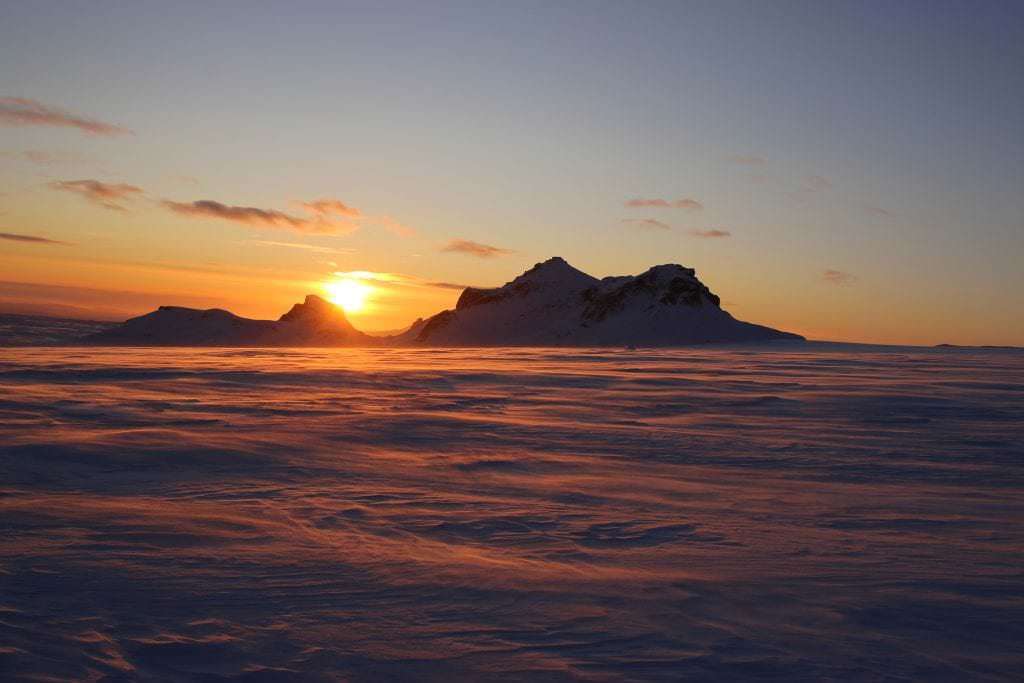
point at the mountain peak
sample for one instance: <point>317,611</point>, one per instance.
<point>556,270</point>
<point>315,308</point>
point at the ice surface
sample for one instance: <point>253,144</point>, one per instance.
<point>801,513</point>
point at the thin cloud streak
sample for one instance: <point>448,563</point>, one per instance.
<point>249,215</point>
<point>446,285</point>
<point>840,278</point>
<point>476,249</point>
<point>658,203</point>
<point>14,237</point>
<point>710,233</point>
<point>107,195</point>
<point>813,185</point>
<point>315,248</point>
<point>647,223</point>
<point>23,111</point>
<point>879,211</point>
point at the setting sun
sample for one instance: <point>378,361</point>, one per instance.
<point>349,294</point>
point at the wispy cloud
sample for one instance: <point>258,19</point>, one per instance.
<point>814,184</point>
<point>839,277</point>
<point>647,223</point>
<point>14,237</point>
<point>107,195</point>
<point>446,285</point>
<point>757,162</point>
<point>315,248</point>
<point>22,111</point>
<point>394,227</point>
<point>878,211</point>
<point>475,249</point>
<point>271,218</point>
<point>639,203</point>
<point>329,207</point>
<point>710,233</point>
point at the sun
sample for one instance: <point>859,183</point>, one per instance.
<point>349,294</point>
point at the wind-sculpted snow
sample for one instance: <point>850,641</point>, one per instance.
<point>802,513</point>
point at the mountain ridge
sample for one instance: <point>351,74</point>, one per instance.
<point>550,304</point>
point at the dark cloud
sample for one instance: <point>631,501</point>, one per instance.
<point>647,223</point>
<point>446,285</point>
<point>22,111</point>
<point>839,277</point>
<point>710,233</point>
<point>14,237</point>
<point>639,203</point>
<point>475,249</point>
<point>248,215</point>
<point>107,195</point>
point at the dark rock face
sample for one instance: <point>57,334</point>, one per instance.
<point>315,322</point>
<point>435,323</point>
<point>317,309</point>
<point>669,285</point>
<point>474,297</point>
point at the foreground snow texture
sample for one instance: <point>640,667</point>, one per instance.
<point>818,513</point>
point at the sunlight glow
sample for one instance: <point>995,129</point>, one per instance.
<point>349,294</point>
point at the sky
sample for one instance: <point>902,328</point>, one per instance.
<point>848,171</point>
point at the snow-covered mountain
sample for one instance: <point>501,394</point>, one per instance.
<point>551,304</point>
<point>556,304</point>
<point>315,322</point>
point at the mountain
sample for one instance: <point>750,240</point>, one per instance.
<point>315,322</point>
<point>554,304</point>
<point>42,330</point>
<point>551,304</point>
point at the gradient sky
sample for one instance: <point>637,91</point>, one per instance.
<point>855,170</point>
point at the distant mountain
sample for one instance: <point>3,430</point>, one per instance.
<point>551,304</point>
<point>42,330</point>
<point>315,322</point>
<point>554,304</point>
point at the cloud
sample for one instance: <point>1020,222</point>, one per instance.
<point>394,227</point>
<point>878,211</point>
<point>107,195</point>
<point>647,223</point>
<point>328,207</point>
<point>372,275</point>
<point>814,184</point>
<point>298,245</point>
<point>839,277</point>
<point>248,215</point>
<point>710,233</point>
<point>638,203</point>
<point>475,249</point>
<point>758,162</point>
<point>30,238</point>
<point>22,111</point>
<point>446,285</point>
